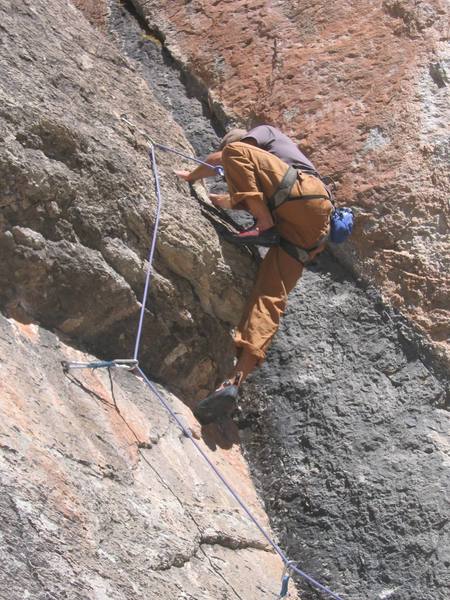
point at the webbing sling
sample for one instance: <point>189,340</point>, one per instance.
<point>283,190</point>
<point>299,253</point>
<point>281,195</point>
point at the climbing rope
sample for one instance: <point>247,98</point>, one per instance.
<point>133,364</point>
<point>217,168</point>
<point>151,252</point>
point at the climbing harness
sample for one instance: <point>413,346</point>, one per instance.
<point>283,194</point>
<point>300,254</point>
<point>133,364</point>
<point>341,220</point>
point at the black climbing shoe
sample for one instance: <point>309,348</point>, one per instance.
<point>219,405</point>
<point>255,237</point>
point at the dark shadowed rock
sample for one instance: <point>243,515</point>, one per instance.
<point>349,440</point>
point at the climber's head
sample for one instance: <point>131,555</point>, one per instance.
<point>234,135</point>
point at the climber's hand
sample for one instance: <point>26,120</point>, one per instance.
<point>221,200</point>
<point>183,175</point>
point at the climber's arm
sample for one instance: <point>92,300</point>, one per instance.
<point>214,159</point>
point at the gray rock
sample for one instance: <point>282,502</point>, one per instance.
<point>336,434</point>
<point>96,483</point>
<point>348,438</point>
<point>77,191</point>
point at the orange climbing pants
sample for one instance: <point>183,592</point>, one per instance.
<point>254,173</point>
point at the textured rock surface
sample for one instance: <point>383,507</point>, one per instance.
<point>173,87</point>
<point>364,87</point>
<point>77,203</point>
<point>102,498</point>
<point>95,10</point>
<point>356,475</point>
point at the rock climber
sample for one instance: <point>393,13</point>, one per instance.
<point>256,163</point>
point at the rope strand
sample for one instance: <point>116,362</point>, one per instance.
<point>151,252</point>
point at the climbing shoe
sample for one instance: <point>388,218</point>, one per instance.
<point>219,405</point>
<point>255,237</point>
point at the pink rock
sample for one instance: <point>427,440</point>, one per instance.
<point>362,86</point>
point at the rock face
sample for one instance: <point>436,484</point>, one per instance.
<point>95,10</point>
<point>102,498</point>
<point>346,429</point>
<point>348,436</point>
<point>364,87</point>
<point>77,205</point>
